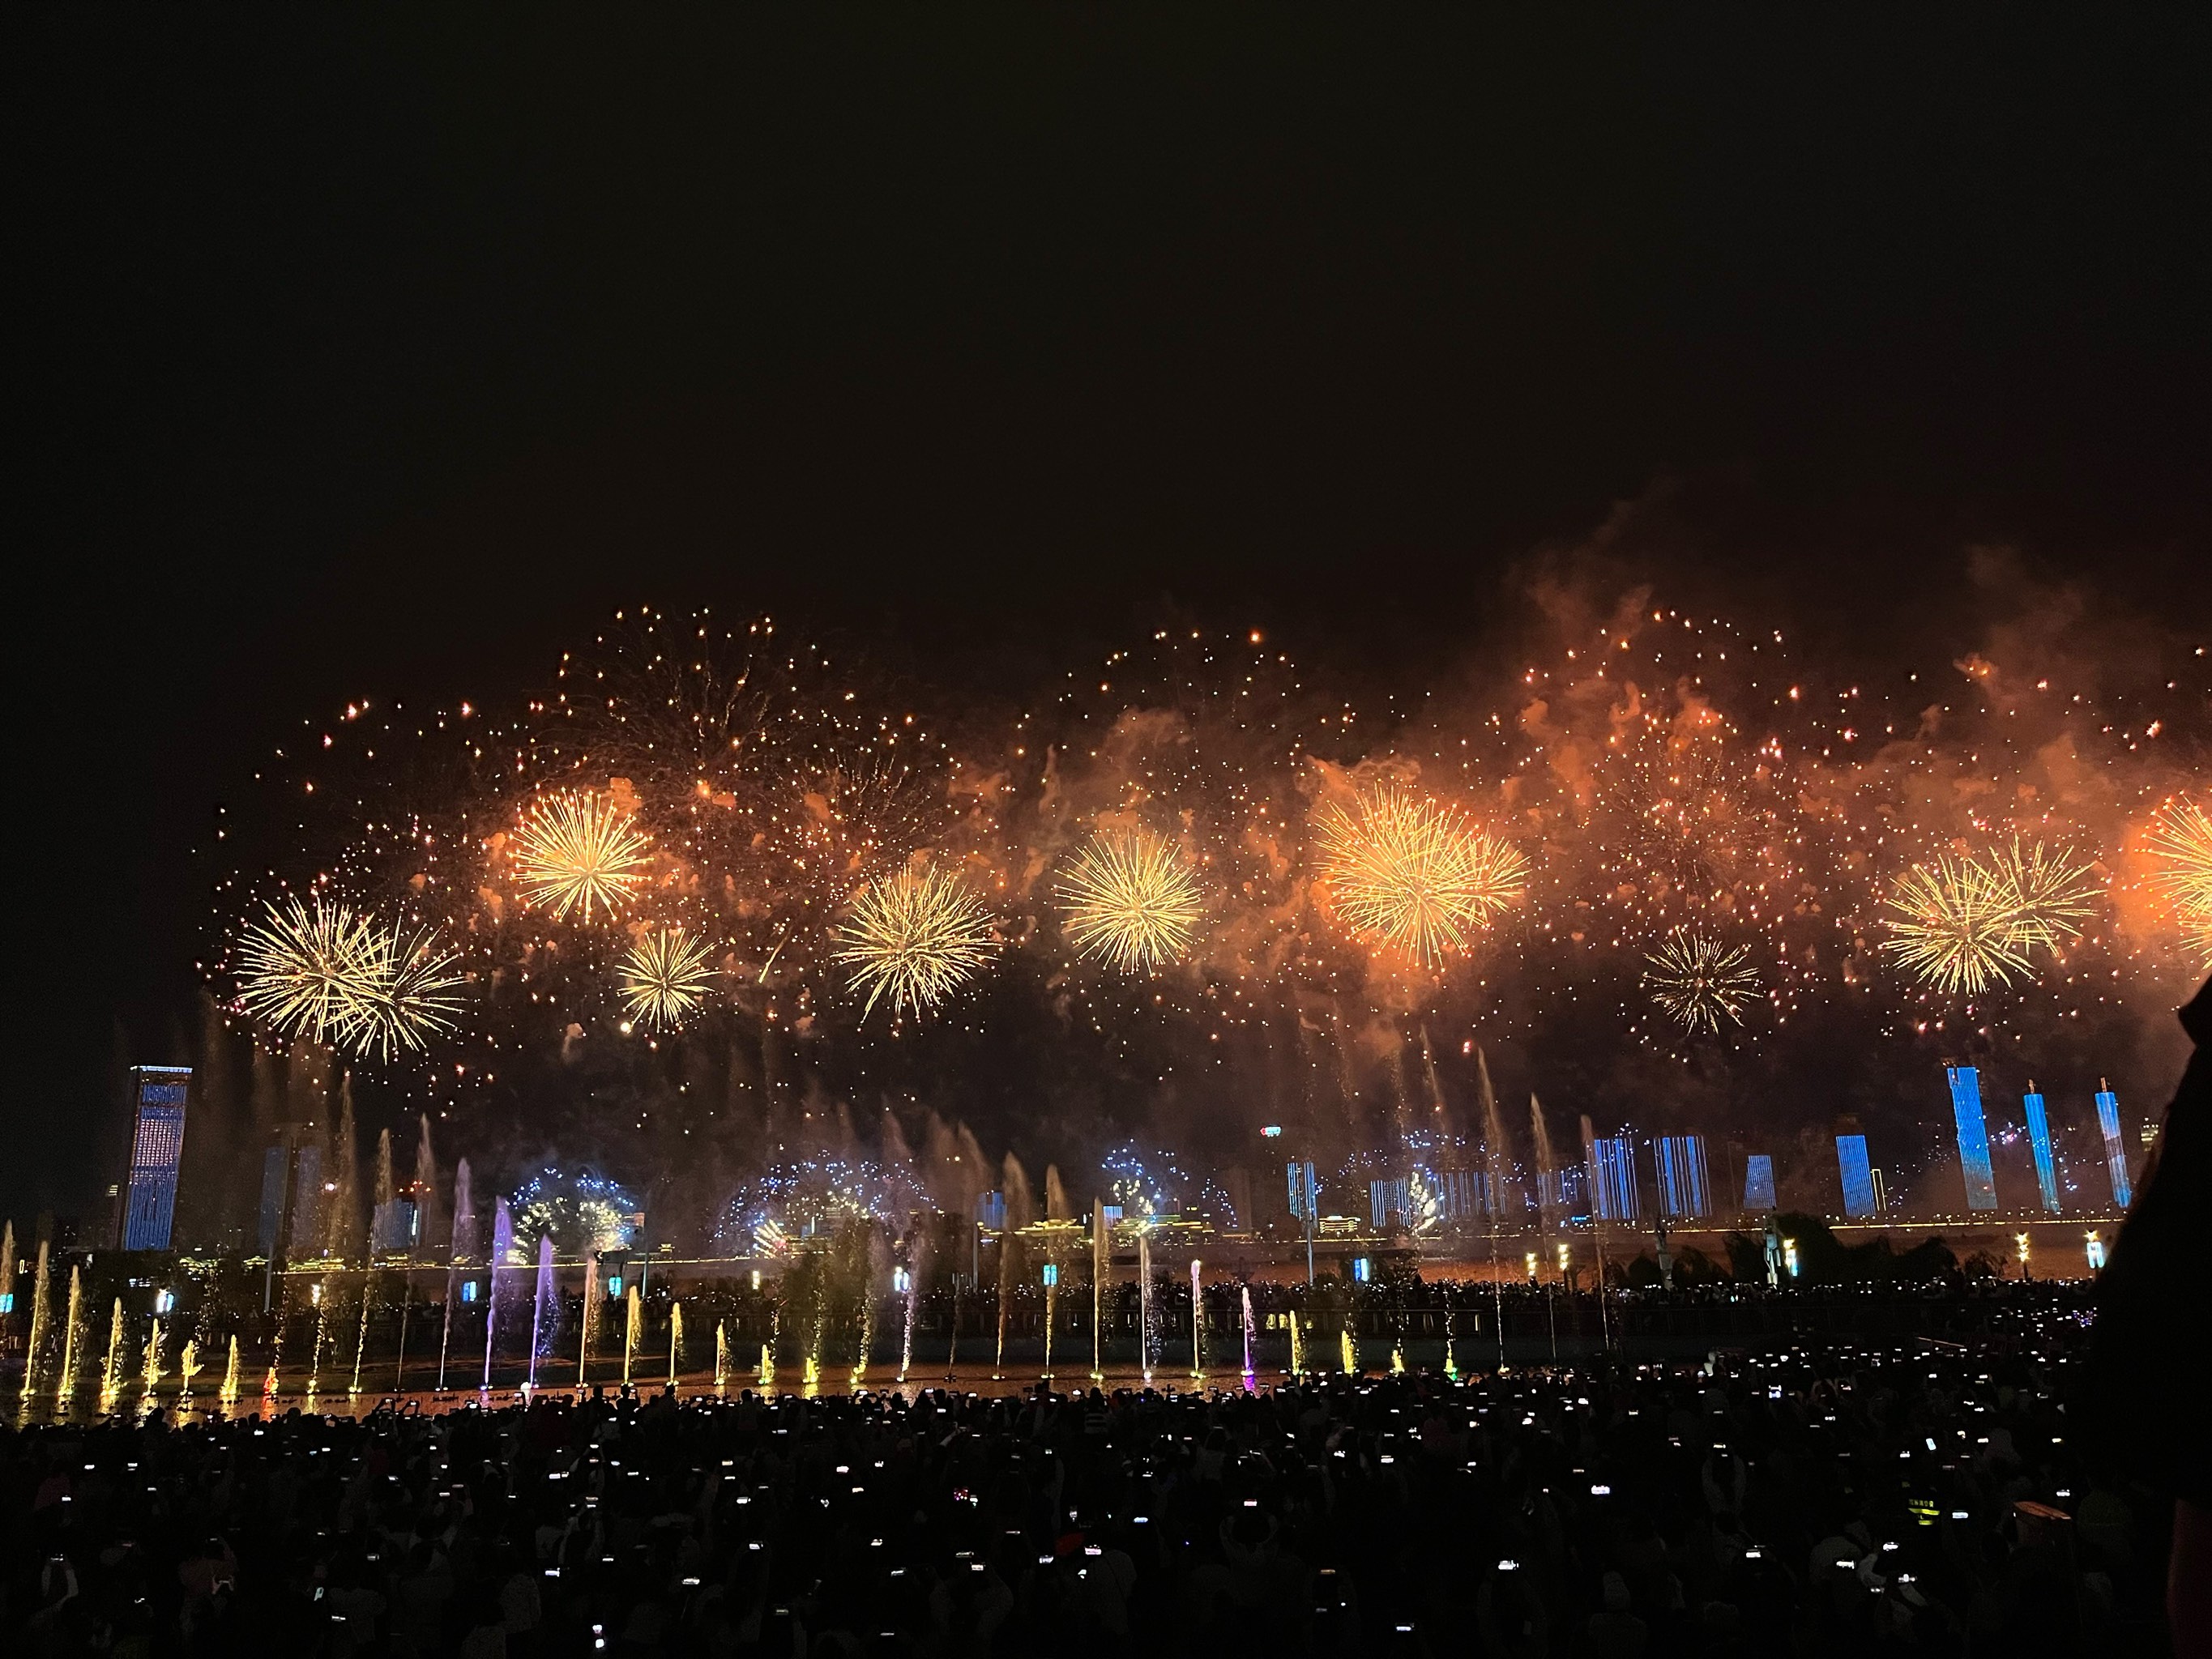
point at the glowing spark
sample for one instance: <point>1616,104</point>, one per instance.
<point>1410,875</point>
<point>305,967</point>
<point>1130,901</point>
<point>1701,981</point>
<point>2050,891</point>
<point>918,937</point>
<point>664,978</point>
<point>2181,846</point>
<point>575,850</point>
<point>407,990</point>
<point>1956,926</point>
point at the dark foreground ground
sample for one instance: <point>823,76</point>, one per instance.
<point>1836,1495</point>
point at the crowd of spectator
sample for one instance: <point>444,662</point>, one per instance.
<point>1916,1494</point>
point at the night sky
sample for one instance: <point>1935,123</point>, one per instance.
<point>382,357</point>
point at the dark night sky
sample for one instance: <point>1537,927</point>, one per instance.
<point>364,355</point>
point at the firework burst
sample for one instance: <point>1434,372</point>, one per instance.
<point>2051,891</point>
<point>2180,844</point>
<point>1956,927</point>
<point>916,937</point>
<point>664,978</point>
<point>1409,876</point>
<point>1130,901</point>
<point>408,991</point>
<point>1699,981</point>
<point>306,967</point>
<point>575,850</point>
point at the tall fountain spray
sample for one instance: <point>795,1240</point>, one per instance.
<point>228,1393</point>
<point>111,1372</point>
<point>1547,1179</point>
<point>1493,1153</point>
<point>548,1287</point>
<point>1101,1267</point>
<point>463,1240</point>
<point>588,1325</point>
<point>1298,1345</point>
<point>34,1346</point>
<point>630,1311</point>
<point>188,1367</point>
<point>427,1219</point>
<point>1145,1300</point>
<point>150,1370</point>
<point>72,1337</point>
<point>1018,1215</point>
<point>1597,1230</point>
<point>502,1246</point>
<point>1197,1325</point>
<point>360,1340</point>
<point>1345,1351</point>
<point>917,1258</point>
<point>675,1342</point>
<point>1244,1296</point>
<point>721,1355</point>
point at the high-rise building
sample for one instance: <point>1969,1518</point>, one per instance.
<point>2116,1148</point>
<point>1857,1174</point>
<point>1613,1177</point>
<point>156,1150</point>
<point>1759,1182</point>
<point>1974,1137</point>
<point>1389,1201</point>
<point>2039,1136</point>
<point>1682,1176</point>
<point>1304,1190</point>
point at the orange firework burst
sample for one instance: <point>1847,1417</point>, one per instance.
<point>916,938</point>
<point>1409,875</point>
<point>574,851</point>
<point>664,978</point>
<point>2180,844</point>
<point>1131,901</point>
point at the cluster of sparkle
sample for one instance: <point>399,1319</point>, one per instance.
<point>1130,899</point>
<point>323,970</point>
<point>575,851</point>
<point>1409,876</point>
<point>665,977</point>
<point>914,938</point>
<point>1703,983</point>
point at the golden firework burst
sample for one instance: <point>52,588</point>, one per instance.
<point>916,937</point>
<point>408,991</point>
<point>2180,846</point>
<point>306,967</point>
<point>664,978</point>
<point>575,850</point>
<point>1130,899</point>
<point>1955,926</point>
<point>1408,875</point>
<point>2051,891</point>
<point>1701,981</point>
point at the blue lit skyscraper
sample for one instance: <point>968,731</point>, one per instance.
<point>1613,1177</point>
<point>1974,1137</point>
<point>1759,1182</point>
<point>1682,1183</point>
<point>2116,1150</point>
<point>1857,1173</point>
<point>2039,1136</point>
<point>156,1150</point>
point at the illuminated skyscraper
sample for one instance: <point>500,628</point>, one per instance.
<point>1859,1175</point>
<point>1974,1137</point>
<point>2039,1136</point>
<point>1759,1182</point>
<point>1304,1190</point>
<point>1613,1177</point>
<point>156,1150</point>
<point>1682,1183</point>
<point>2116,1149</point>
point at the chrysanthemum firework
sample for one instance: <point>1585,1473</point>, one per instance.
<point>2180,846</point>
<point>1953,925</point>
<point>1130,899</point>
<point>665,977</point>
<point>410,991</point>
<point>306,967</point>
<point>915,937</point>
<point>1409,876</point>
<point>576,851</point>
<point>1700,982</point>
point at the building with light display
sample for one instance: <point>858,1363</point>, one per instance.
<point>157,1151</point>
